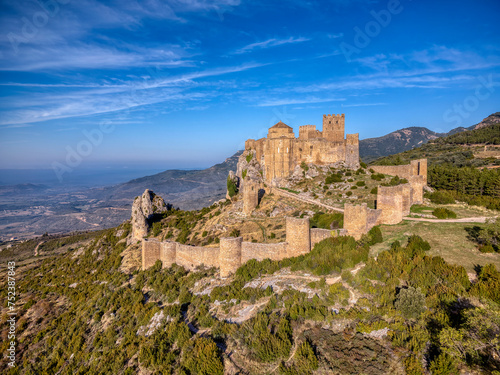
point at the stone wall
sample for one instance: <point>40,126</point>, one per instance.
<point>168,253</point>
<point>261,251</point>
<point>233,252</point>
<point>415,168</point>
<point>318,235</point>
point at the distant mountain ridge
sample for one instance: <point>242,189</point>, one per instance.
<point>408,138</point>
<point>191,189</point>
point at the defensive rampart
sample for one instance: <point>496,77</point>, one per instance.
<point>232,251</point>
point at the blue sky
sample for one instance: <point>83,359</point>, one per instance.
<point>184,83</point>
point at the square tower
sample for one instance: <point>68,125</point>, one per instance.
<point>333,128</point>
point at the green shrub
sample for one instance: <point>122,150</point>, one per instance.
<point>374,190</point>
<point>377,176</point>
<point>375,236</point>
<point>332,178</point>
<point>244,173</point>
<point>354,187</point>
<point>304,166</point>
<point>444,213</point>
<point>349,193</point>
<point>410,302</point>
<point>360,183</point>
<point>249,157</point>
<point>231,187</point>
<point>486,249</point>
<point>327,221</point>
<point>396,181</point>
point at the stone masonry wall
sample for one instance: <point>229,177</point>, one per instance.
<point>402,171</point>
<point>192,256</point>
<point>168,253</point>
<point>261,251</point>
<point>318,235</point>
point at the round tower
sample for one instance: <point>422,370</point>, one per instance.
<point>298,236</point>
<point>168,253</point>
<point>229,255</point>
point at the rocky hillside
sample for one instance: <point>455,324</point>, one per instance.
<point>490,120</point>
<point>398,141</point>
<point>410,138</point>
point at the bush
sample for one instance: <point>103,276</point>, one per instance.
<point>334,177</point>
<point>410,302</point>
<point>377,176</point>
<point>244,173</point>
<point>444,213</point>
<point>249,157</point>
<point>360,183</point>
<point>374,190</point>
<point>486,249</point>
<point>349,193</point>
<point>232,189</point>
<point>375,236</point>
<point>327,221</point>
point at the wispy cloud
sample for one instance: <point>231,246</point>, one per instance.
<point>270,43</point>
<point>175,92</point>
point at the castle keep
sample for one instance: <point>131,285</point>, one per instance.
<point>281,152</point>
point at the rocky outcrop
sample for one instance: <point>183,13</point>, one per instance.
<point>143,210</point>
<point>488,121</point>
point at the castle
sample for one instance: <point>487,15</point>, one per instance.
<point>276,158</point>
<point>281,152</point>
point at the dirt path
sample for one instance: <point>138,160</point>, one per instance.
<point>287,194</point>
<point>480,219</point>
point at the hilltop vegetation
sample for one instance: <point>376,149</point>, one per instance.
<point>80,313</point>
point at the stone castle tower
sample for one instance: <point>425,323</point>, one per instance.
<point>333,128</point>
<point>280,152</point>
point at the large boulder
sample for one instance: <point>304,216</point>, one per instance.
<point>143,210</point>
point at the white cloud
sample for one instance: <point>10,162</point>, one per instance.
<point>270,43</point>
